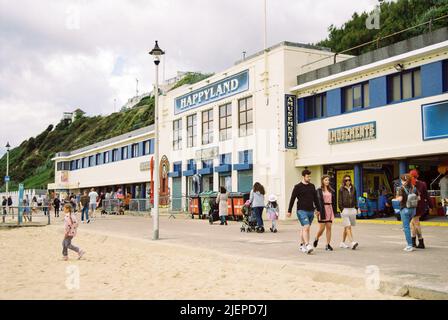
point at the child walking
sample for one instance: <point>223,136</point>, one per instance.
<point>272,212</point>
<point>70,228</point>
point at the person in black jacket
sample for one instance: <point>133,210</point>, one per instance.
<point>57,206</point>
<point>348,204</point>
<point>305,193</point>
<point>326,205</point>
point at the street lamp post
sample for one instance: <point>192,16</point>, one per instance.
<point>156,52</point>
<point>7,166</point>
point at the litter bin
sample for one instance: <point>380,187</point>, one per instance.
<point>195,206</point>
<point>208,200</point>
<point>362,205</point>
<point>372,204</point>
<point>237,200</point>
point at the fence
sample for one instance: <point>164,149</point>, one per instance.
<point>28,192</point>
<point>25,215</point>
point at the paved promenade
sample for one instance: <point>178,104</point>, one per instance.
<point>419,274</point>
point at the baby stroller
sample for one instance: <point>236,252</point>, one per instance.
<point>249,219</point>
<point>214,212</point>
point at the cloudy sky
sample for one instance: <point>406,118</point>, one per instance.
<point>57,55</point>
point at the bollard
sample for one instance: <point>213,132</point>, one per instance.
<point>48,214</point>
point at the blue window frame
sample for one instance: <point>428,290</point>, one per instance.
<point>404,85</point>
<point>316,106</point>
<point>191,165</point>
<point>134,150</point>
<point>434,120</point>
<point>106,157</point>
<point>91,161</point>
<point>445,75</point>
<point>177,166</point>
<point>207,163</point>
<point>114,155</point>
<point>355,97</point>
<point>225,158</point>
<point>245,157</point>
<point>124,153</point>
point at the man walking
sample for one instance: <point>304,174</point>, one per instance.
<point>306,195</point>
<point>85,207</point>
<point>93,195</point>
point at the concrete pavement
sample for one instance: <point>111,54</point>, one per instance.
<point>419,274</point>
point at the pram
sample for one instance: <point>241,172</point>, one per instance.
<point>249,219</point>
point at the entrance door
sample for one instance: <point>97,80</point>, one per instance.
<point>177,194</point>
<point>245,181</point>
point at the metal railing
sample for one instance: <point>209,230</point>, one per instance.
<point>25,214</point>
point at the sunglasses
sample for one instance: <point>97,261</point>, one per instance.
<point>347,180</point>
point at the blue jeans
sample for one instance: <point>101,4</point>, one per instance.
<point>406,215</point>
<point>305,217</point>
<point>86,210</point>
<point>258,214</point>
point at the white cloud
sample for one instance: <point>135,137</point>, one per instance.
<point>59,55</point>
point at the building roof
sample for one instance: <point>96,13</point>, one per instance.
<point>288,44</point>
<point>113,140</point>
<point>395,49</point>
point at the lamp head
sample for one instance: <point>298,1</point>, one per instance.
<point>156,51</point>
<point>7,146</point>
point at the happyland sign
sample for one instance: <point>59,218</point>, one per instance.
<point>216,91</point>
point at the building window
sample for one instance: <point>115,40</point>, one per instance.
<point>78,164</point>
<point>191,131</point>
<point>245,156</point>
<point>445,75</point>
<point>225,158</point>
<point>177,134</point>
<point>106,157</point>
<point>404,85</point>
<point>191,164</point>
<point>98,158</point>
<point>207,126</point>
<point>356,97</point>
<point>134,150</point>
<point>124,153</point>
<point>316,106</point>
<point>177,166</point>
<point>147,146</point>
<point>245,120</point>
<point>114,155</point>
<point>207,163</point>
<point>91,161</point>
<point>225,122</point>
<point>63,166</point>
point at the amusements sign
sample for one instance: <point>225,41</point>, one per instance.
<point>216,91</point>
<point>358,132</point>
<point>290,122</point>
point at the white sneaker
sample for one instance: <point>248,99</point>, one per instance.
<point>309,248</point>
<point>343,245</point>
<point>354,245</point>
<point>408,249</point>
<point>303,249</point>
<point>82,221</point>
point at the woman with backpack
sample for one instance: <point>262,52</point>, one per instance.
<point>408,197</point>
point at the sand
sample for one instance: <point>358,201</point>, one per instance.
<point>123,268</point>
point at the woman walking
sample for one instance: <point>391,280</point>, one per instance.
<point>408,197</point>
<point>348,205</point>
<point>257,201</point>
<point>221,200</point>
<point>423,203</point>
<point>326,207</point>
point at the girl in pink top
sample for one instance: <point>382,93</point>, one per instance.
<point>70,228</point>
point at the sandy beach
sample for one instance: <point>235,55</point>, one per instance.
<point>124,268</point>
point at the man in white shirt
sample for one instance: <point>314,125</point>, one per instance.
<point>93,203</point>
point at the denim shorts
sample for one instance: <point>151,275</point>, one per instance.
<point>305,217</point>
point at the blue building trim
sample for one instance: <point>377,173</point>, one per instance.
<point>189,173</point>
<point>403,166</point>
<point>242,166</point>
<point>432,79</point>
<point>378,92</point>
<point>334,102</point>
<point>223,168</point>
<point>301,111</point>
<point>205,171</point>
<point>358,178</point>
<point>174,174</point>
